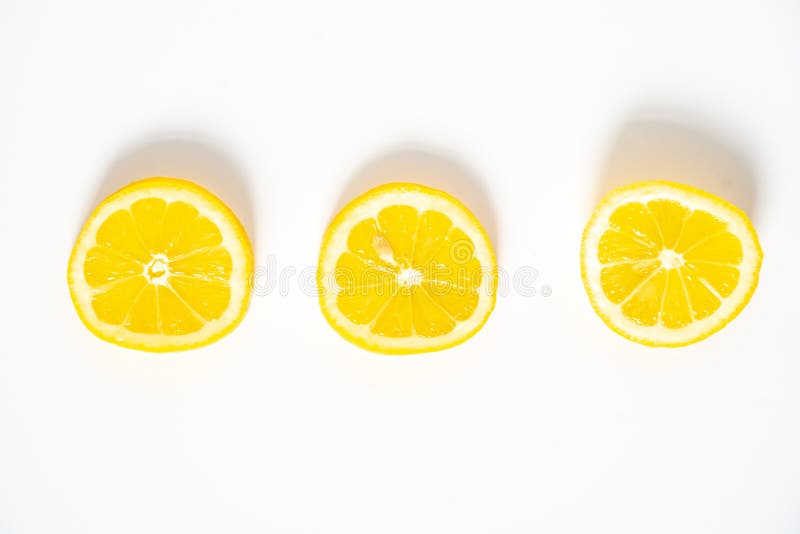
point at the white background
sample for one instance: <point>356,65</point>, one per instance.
<point>546,421</point>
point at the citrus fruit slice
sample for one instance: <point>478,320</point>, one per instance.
<point>406,269</point>
<point>667,265</point>
<point>161,265</point>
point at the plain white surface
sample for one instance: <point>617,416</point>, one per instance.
<point>546,421</point>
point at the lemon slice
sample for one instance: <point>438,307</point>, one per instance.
<point>667,265</point>
<point>406,269</point>
<point>161,265</point>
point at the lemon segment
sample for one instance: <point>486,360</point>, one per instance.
<point>406,269</point>
<point>665,264</point>
<point>161,265</point>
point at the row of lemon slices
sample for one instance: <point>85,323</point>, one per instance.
<point>164,265</point>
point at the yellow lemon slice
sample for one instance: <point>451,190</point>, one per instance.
<point>667,265</point>
<point>161,265</point>
<point>406,269</point>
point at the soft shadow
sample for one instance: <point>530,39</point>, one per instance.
<point>178,156</point>
<point>659,144</point>
<point>428,167</point>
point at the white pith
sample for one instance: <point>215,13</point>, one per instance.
<point>670,259</point>
<point>156,271</point>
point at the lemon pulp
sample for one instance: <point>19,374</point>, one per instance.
<point>161,265</point>
<point>406,269</point>
<point>665,264</point>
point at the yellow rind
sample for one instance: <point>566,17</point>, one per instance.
<point>725,207</point>
<point>343,216</point>
<point>166,183</point>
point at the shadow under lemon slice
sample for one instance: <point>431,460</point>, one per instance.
<point>406,269</point>
<point>667,265</point>
<point>161,265</point>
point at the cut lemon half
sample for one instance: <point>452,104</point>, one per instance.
<point>667,265</point>
<point>161,265</point>
<point>406,269</point>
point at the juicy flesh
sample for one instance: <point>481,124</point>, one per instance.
<point>408,273</point>
<point>158,268</point>
<point>665,264</point>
